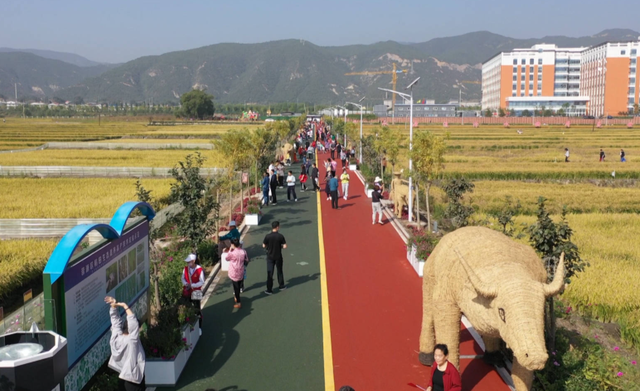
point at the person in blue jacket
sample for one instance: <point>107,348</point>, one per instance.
<point>265,189</point>
<point>225,240</point>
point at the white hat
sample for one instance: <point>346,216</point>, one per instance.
<point>190,257</point>
<point>378,179</point>
<point>232,224</point>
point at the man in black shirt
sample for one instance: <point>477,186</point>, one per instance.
<point>274,243</point>
<point>314,177</point>
<point>273,183</point>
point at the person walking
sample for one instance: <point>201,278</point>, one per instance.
<point>238,260</point>
<point>333,188</point>
<point>280,172</point>
<point>602,155</point>
<point>344,179</point>
<point>566,155</point>
<point>334,167</point>
<point>274,185</point>
<point>274,242</point>
<point>265,189</point>
<point>333,148</point>
<point>376,205</point>
<point>303,178</point>
<point>291,187</point>
<point>327,190</point>
<point>622,156</point>
<point>444,375</point>
<point>314,177</point>
<point>343,157</point>
<point>127,354</point>
<point>192,283</point>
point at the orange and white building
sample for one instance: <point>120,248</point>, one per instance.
<point>609,77</point>
<point>577,80</point>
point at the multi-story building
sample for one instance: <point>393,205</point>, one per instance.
<point>599,80</point>
<point>609,77</point>
<point>528,74</point>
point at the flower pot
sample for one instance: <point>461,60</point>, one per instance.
<point>167,372</point>
<point>421,268</point>
<point>224,265</point>
<point>353,167</point>
<point>252,219</point>
<point>369,192</point>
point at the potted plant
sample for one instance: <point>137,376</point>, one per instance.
<point>168,344</point>
<point>254,213</point>
<point>419,246</point>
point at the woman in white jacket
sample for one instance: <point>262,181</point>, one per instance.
<point>127,354</point>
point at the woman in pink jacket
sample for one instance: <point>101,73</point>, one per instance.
<point>238,259</point>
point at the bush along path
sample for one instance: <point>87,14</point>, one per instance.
<point>375,304</point>
<point>272,342</point>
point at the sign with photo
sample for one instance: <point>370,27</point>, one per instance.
<point>120,269</point>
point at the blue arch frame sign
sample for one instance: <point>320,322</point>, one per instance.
<point>123,213</point>
<point>61,255</point>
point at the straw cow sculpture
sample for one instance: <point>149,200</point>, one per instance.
<point>286,152</point>
<point>400,195</point>
<point>500,286</point>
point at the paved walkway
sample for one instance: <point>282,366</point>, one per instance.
<point>272,342</point>
<point>375,302</point>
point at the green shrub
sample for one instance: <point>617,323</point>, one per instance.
<point>208,253</point>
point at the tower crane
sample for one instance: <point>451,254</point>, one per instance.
<point>394,78</point>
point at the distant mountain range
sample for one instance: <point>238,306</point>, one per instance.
<point>279,71</point>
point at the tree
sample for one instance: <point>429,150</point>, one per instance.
<point>501,112</point>
<point>389,142</point>
<point>192,191</point>
<point>488,113</point>
<point>505,215</point>
<point>197,104</point>
<point>548,113</point>
<point>526,113</point>
<point>512,113</point>
<point>263,148</point>
<point>78,100</point>
<point>234,148</point>
<point>428,160</point>
<point>636,109</point>
<point>550,240</point>
<point>456,211</point>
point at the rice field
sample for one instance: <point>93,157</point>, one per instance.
<point>23,198</point>
<point>20,260</point>
<point>103,158</point>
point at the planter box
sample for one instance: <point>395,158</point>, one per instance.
<point>421,268</point>
<point>167,372</point>
<point>417,264</point>
<point>252,219</point>
<point>369,192</point>
<point>353,167</point>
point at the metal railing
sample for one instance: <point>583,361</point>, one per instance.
<point>96,172</point>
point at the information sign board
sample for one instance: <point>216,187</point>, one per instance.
<point>120,269</point>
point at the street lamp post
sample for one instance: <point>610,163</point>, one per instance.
<point>410,97</point>
<point>359,106</point>
<point>345,123</point>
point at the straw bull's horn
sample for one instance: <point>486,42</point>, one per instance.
<point>556,286</point>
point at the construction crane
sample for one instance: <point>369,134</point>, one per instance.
<point>394,79</point>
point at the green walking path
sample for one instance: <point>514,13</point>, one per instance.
<point>272,342</point>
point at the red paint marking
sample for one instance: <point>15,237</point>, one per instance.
<point>375,303</point>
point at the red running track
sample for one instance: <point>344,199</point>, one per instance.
<point>375,303</point>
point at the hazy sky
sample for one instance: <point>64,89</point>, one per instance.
<point>118,31</point>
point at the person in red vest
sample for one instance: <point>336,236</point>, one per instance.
<point>193,280</point>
